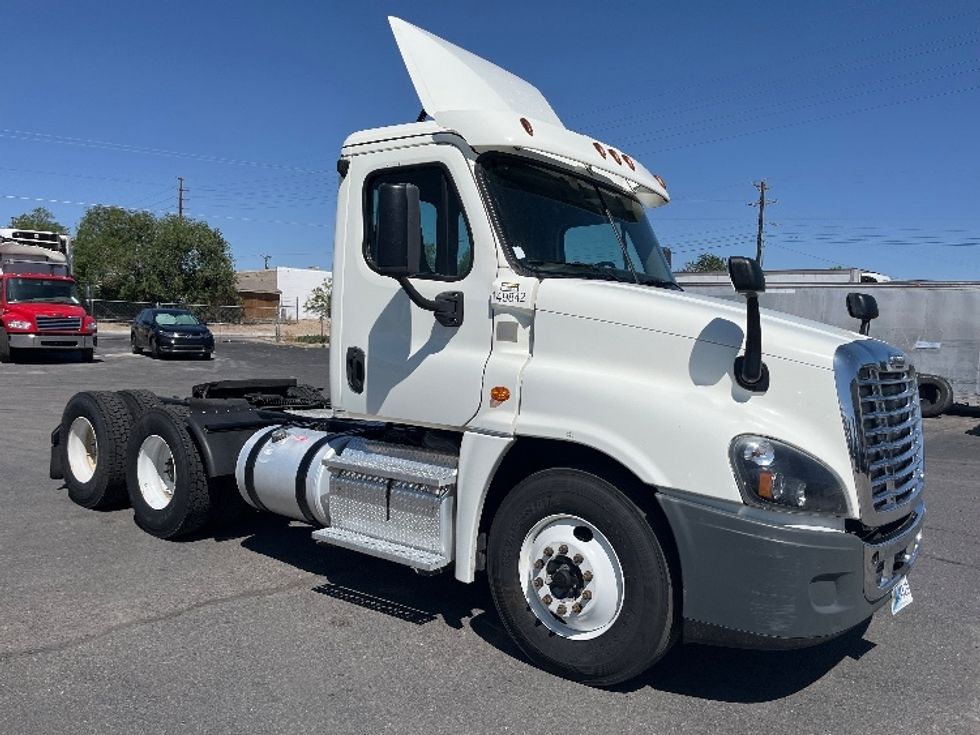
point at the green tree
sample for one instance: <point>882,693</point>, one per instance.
<point>38,218</point>
<point>136,257</point>
<point>319,301</point>
<point>705,263</point>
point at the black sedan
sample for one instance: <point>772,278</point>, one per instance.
<point>171,332</point>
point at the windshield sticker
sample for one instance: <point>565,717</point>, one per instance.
<point>519,252</point>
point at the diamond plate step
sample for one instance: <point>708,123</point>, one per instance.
<point>416,558</point>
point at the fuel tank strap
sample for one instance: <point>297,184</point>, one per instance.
<point>250,469</point>
<point>301,477</point>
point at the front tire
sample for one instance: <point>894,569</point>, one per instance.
<point>137,350</point>
<point>165,476</point>
<point>154,349</point>
<point>604,608</point>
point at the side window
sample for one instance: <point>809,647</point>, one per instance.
<point>447,248</point>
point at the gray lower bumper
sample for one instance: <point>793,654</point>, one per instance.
<point>53,341</point>
<point>769,585</point>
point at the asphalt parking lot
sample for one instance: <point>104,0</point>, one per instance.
<point>105,629</point>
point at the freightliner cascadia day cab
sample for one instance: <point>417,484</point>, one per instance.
<point>519,392</point>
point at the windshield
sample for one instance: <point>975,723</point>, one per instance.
<point>558,224</point>
<point>170,319</point>
<point>42,290</point>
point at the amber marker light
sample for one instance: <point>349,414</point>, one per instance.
<point>765,485</point>
<point>499,393</point>
<point>600,149</point>
<point>527,126</point>
<point>629,162</point>
<point>615,156</point>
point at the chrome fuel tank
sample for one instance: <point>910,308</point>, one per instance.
<point>281,469</point>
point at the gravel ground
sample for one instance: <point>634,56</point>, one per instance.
<point>104,629</point>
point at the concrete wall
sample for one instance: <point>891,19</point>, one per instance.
<point>297,284</point>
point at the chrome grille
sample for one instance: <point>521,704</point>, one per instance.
<point>891,434</point>
<point>58,323</point>
<point>879,398</point>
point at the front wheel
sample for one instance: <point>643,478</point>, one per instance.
<point>580,578</point>
<point>134,345</point>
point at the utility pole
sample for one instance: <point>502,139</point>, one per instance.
<point>265,261</point>
<point>180,197</point>
<point>761,204</point>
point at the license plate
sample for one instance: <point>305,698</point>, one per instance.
<point>901,596</point>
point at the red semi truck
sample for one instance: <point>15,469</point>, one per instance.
<point>40,307</point>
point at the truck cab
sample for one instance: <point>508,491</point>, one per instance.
<point>40,307</point>
<point>520,391</point>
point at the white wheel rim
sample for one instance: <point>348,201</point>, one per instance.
<point>83,449</point>
<point>156,472</point>
<point>589,606</point>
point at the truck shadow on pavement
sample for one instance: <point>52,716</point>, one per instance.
<point>705,672</point>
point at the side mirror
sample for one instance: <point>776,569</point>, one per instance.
<point>399,233</point>
<point>749,280</point>
<point>862,306</point>
<point>400,250</point>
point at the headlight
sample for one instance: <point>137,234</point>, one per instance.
<point>19,324</point>
<point>776,475</point>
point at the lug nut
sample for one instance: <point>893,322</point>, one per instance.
<point>577,607</point>
<point>587,576</point>
<point>548,551</point>
<point>577,559</point>
<point>537,582</point>
<point>538,564</point>
<point>587,595</point>
<point>547,600</point>
<point>561,610</point>
<point>563,549</point>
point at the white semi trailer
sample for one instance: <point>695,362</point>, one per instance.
<point>932,321</point>
<point>519,392</point>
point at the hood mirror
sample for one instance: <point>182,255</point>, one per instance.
<point>748,279</point>
<point>862,306</point>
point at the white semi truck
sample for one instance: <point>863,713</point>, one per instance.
<point>519,392</point>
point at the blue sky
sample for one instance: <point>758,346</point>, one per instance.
<point>862,115</point>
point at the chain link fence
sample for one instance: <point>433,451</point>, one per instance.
<point>126,311</point>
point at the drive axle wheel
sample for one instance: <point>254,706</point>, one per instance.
<point>92,445</point>
<point>167,484</point>
<point>580,578</point>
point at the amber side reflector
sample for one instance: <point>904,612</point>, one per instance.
<point>765,485</point>
<point>527,126</point>
<point>499,393</point>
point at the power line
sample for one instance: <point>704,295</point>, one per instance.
<point>785,107</point>
<point>822,118</point>
<point>821,53</point>
<point>38,137</point>
<point>822,74</point>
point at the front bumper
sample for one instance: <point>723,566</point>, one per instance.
<point>53,341</point>
<point>763,584</point>
<point>186,347</point>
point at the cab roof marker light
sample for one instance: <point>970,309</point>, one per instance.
<point>526,124</point>
<point>629,162</point>
<point>615,156</point>
<point>600,149</point>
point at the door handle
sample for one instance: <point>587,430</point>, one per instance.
<point>355,369</point>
